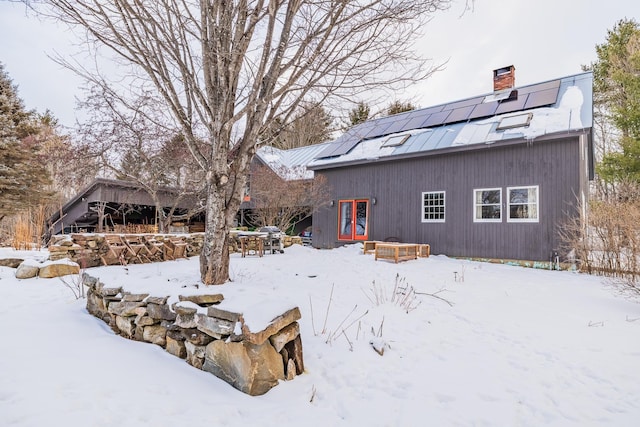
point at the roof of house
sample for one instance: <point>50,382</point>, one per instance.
<point>290,164</point>
<point>526,113</point>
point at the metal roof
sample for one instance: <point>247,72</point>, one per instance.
<point>561,105</point>
<point>290,164</point>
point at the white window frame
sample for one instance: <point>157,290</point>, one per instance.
<point>536,204</point>
<point>476,205</point>
<point>444,206</point>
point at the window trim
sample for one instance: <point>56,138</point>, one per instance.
<point>475,205</point>
<point>537,204</point>
<point>444,206</point>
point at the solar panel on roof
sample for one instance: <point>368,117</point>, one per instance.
<point>398,125</point>
<point>513,105</point>
<point>484,110</point>
<point>436,119</point>
<point>540,86</point>
<point>362,129</point>
<point>460,114</point>
<point>431,110</point>
<point>544,97</point>
<point>464,103</point>
<point>416,122</point>
<point>340,146</point>
<point>379,128</point>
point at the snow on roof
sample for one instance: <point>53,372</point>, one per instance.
<point>559,106</point>
<point>290,164</point>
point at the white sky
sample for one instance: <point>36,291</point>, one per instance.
<point>544,39</point>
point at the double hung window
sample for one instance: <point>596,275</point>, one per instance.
<point>487,204</point>
<point>522,204</point>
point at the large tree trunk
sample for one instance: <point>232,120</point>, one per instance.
<point>214,257</point>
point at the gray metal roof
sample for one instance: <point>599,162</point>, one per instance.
<point>291,164</point>
<point>528,112</point>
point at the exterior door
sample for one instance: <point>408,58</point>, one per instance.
<point>353,219</point>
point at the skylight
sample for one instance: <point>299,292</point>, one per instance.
<point>396,140</point>
<point>521,120</point>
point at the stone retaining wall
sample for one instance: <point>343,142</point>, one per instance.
<point>200,330</point>
<point>89,250</point>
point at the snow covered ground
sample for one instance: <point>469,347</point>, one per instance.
<point>519,347</point>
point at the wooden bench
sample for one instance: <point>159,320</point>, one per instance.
<point>396,251</point>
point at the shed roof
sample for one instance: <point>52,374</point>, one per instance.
<point>558,106</point>
<point>291,164</point>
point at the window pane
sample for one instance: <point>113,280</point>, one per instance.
<point>487,197</point>
<point>519,195</point>
<point>361,218</point>
<point>519,211</point>
<point>489,212</point>
<point>345,217</point>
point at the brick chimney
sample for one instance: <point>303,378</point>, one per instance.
<point>504,78</point>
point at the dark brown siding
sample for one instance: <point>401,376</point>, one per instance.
<point>554,166</point>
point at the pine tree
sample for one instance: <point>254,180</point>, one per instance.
<point>23,177</point>
<point>359,114</point>
<point>397,107</point>
<point>617,88</point>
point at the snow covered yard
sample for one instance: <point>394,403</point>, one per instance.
<point>519,347</point>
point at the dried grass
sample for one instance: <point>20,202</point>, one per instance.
<point>608,242</point>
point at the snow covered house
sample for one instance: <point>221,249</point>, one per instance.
<point>493,176</point>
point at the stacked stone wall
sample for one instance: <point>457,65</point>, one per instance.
<point>209,337</point>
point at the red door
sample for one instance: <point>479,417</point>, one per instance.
<point>353,219</point>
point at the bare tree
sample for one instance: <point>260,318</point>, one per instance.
<point>224,70</point>
<point>136,147</point>
<point>285,202</point>
<point>311,125</point>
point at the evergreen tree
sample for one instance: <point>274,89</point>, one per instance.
<point>397,107</point>
<point>310,125</point>
<point>617,89</point>
<point>359,114</point>
<point>23,177</point>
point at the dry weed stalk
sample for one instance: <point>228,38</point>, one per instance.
<point>402,295</point>
<point>75,282</point>
<point>27,228</point>
<point>608,242</point>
